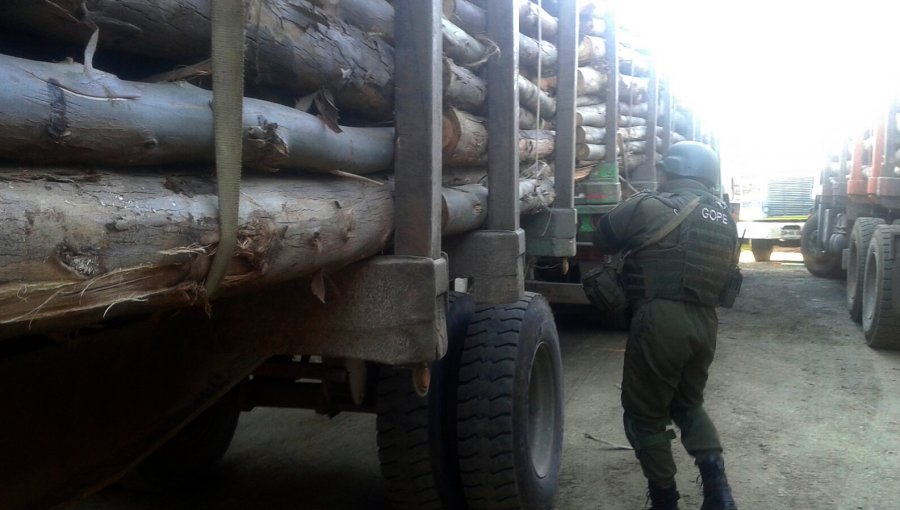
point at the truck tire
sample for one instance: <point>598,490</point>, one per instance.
<point>195,451</point>
<point>860,237</point>
<point>762,249</point>
<point>821,264</point>
<point>417,435</point>
<point>880,320</point>
<point>510,407</point>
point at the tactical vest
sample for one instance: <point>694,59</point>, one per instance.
<point>696,267</point>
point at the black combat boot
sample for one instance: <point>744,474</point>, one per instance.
<point>716,491</point>
<point>662,497</point>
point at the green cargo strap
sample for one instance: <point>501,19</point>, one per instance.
<point>228,97</point>
<point>643,443</point>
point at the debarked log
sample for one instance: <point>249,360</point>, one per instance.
<point>464,49</point>
<point>374,17</point>
<point>533,98</point>
<point>465,15</point>
<point>463,88</point>
<point>589,152</point>
<point>464,207</point>
<point>592,82</point>
<point>595,104</point>
<point>533,53</point>
<point>591,49</point>
<point>465,140</point>
<point>590,134</point>
<point>80,247</point>
<point>598,119</point>
<point>534,21</point>
<point>290,43</point>
<point>66,113</point>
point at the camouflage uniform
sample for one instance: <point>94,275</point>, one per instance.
<point>673,289</point>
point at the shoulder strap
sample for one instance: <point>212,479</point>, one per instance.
<point>668,227</point>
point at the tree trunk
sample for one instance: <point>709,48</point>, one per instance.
<point>530,52</point>
<point>86,246</point>
<point>465,15</point>
<point>528,120</point>
<point>532,98</point>
<point>590,134</point>
<point>374,17</point>
<point>82,246</point>
<point>532,18</point>
<point>590,152</point>
<point>591,81</point>
<point>290,43</point>
<point>536,144</point>
<point>461,47</point>
<point>591,49</point>
<point>462,88</point>
<point>65,113</point>
<point>464,138</point>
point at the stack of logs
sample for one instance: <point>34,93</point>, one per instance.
<point>108,195</point>
<point>593,80</point>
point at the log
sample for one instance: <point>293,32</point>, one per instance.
<point>534,99</point>
<point>637,132</point>
<point>536,144</point>
<point>66,113</point>
<point>464,208</point>
<point>83,247</point>
<point>465,140</point>
<point>531,52</point>
<point>634,110</point>
<point>591,49</point>
<point>462,88</point>
<point>528,120</point>
<point>290,43</point>
<point>590,134</point>
<point>590,152</point>
<point>639,146</point>
<point>533,19</point>
<point>374,17</point>
<point>598,119</point>
<point>80,247</point>
<point>464,49</point>
<point>465,15</point>
<point>591,81</point>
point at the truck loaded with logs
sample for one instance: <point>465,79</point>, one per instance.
<point>853,232</point>
<point>334,205</point>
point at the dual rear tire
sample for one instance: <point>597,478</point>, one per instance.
<point>881,289</point>
<point>489,434</point>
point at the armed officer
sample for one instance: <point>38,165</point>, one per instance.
<point>673,285</point>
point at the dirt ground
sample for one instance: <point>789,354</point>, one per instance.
<point>809,415</point>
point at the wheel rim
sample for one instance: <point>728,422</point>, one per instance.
<point>542,411</point>
<point>853,280</point>
<point>869,290</point>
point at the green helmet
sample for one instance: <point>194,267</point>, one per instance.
<point>692,160</point>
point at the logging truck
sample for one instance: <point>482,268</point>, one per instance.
<point>771,210</point>
<point>853,231</point>
<point>330,205</point>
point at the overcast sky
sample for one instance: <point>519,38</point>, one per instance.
<point>781,81</point>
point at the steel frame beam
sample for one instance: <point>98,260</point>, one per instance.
<point>552,233</point>
<point>493,257</point>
